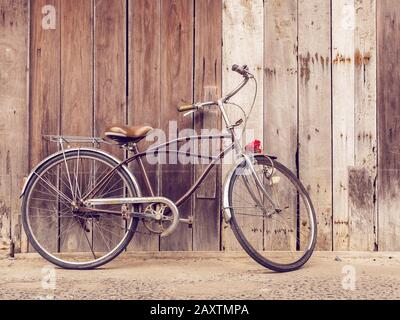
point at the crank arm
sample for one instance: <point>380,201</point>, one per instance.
<point>148,216</point>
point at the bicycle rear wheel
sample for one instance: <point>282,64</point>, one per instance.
<point>58,224</point>
<point>278,228</point>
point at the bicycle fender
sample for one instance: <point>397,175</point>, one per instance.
<point>43,162</point>
<point>226,209</point>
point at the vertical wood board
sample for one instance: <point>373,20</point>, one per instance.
<point>315,121</point>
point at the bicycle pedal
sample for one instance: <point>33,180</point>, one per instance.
<point>188,221</point>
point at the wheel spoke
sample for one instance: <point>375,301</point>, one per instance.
<point>59,222</point>
<point>58,192</point>
<point>286,229</point>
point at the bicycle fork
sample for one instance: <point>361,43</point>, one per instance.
<point>246,171</point>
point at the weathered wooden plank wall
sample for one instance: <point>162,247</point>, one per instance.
<point>319,105</point>
<point>323,108</point>
<point>354,124</point>
<point>207,86</point>
<point>363,178</point>
<point>45,84</point>
<point>343,115</point>
<point>315,151</point>
<point>114,71</point>
<point>243,32</point>
<point>281,123</point>
<point>14,37</point>
<point>76,105</point>
<point>177,20</point>
<point>109,34</point>
<point>144,73</point>
<point>388,98</point>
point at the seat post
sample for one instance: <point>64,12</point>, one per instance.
<point>135,151</point>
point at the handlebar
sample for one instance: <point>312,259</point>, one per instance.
<point>189,107</point>
<point>244,71</point>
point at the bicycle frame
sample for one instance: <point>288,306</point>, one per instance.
<point>235,145</point>
<point>161,149</point>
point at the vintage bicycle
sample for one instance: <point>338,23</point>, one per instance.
<point>81,206</point>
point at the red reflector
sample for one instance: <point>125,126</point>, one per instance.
<point>254,147</point>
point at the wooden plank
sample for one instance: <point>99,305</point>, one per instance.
<point>77,68</point>
<point>388,101</point>
<point>354,124</point>
<point>343,97</point>
<point>176,89</point>
<point>144,93</point>
<point>44,113</point>
<point>243,34</point>
<point>13,118</point>
<point>280,114</point>
<point>109,66</point>
<point>109,89</point>
<point>315,153</point>
<point>207,122</point>
<point>207,87</point>
<point>76,88</point>
<point>363,207</point>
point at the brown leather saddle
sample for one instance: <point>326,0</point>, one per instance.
<point>127,134</point>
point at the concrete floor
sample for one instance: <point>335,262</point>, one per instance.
<point>205,276</point>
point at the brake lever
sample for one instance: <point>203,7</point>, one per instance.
<point>197,106</point>
<point>189,113</point>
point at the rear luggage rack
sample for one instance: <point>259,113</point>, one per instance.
<point>76,139</point>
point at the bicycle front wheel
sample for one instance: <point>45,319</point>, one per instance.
<point>60,227</point>
<point>277,227</point>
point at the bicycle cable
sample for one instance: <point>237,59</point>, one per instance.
<point>247,116</point>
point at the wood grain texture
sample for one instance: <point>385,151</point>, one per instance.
<point>354,124</point>
<point>109,66</point>
<point>243,33</point>
<point>388,101</point>
<point>315,153</point>
<point>207,87</point>
<point>45,57</point>
<point>176,89</point>
<point>14,116</point>
<point>144,93</point>
<point>77,67</point>
<point>45,85</point>
<point>280,110</point>
<point>76,89</point>
<point>343,98</point>
<point>109,83</point>
<point>363,205</point>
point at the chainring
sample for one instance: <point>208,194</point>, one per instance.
<point>159,219</point>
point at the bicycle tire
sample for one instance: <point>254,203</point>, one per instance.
<point>49,257</point>
<point>247,246</point>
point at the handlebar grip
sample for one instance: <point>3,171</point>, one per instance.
<point>241,70</point>
<point>189,107</point>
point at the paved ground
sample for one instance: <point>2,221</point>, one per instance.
<point>206,276</point>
